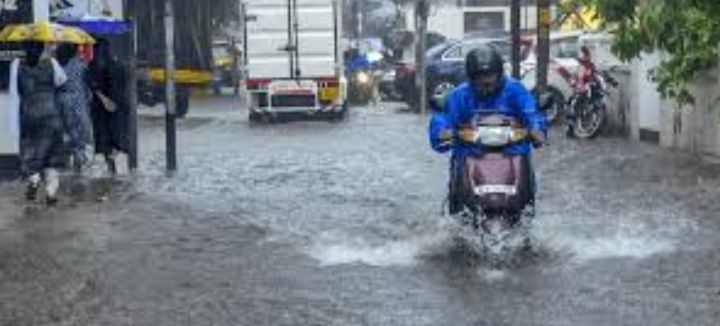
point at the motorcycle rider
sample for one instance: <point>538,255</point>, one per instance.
<point>488,91</point>
<point>356,62</point>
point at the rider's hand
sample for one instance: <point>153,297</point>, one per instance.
<point>467,134</point>
<point>537,137</point>
<point>446,137</point>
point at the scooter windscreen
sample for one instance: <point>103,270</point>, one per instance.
<point>499,131</point>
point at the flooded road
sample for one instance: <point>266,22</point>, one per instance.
<point>339,223</point>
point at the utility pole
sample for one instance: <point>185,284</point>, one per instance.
<point>515,30</point>
<point>356,19</point>
<point>170,127</point>
<point>421,17</point>
<point>543,37</point>
<point>131,88</point>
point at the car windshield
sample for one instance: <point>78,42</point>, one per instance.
<point>439,49</point>
<point>503,47</point>
<point>566,48</point>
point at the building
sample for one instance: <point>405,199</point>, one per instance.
<point>456,18</point>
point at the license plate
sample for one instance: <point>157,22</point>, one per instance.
<point>292,86</point>
<point>496,189</point>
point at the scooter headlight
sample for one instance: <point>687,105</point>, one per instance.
<point>363,77</point>
<point>494,136</point>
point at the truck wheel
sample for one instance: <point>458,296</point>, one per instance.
<point>255,117</point>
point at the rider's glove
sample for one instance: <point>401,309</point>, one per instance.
<point>467,134</point>
<point>537,137</point>
<point>446,137</point>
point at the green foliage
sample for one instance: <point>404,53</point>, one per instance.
<point>688,31</point>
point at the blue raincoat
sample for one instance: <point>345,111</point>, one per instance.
<point>463,105</point>
<point>358,62</point>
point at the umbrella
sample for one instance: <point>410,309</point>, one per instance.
<point>99,25</point>
<point>45,32</point>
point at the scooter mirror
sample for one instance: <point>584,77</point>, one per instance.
<point>438,102</point>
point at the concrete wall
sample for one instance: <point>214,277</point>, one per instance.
<point>692,128</point>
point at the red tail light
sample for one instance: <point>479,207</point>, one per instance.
<point>257,83</point>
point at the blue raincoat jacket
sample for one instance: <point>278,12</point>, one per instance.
<point>359,62</point>
<point>463,105</point>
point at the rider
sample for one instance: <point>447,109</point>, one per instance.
<point>488,91</point>
<point>356,61</point>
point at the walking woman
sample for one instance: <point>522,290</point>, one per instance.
<point>74,102</point>
<point>110,111</point>
<point>34,81</point>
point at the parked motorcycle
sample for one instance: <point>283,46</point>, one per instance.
<point>588,110</point>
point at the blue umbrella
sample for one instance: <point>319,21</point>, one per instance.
<point>100,27</point>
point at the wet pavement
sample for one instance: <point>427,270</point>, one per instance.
<point>338,223</point>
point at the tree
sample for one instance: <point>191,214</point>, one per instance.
<point>688,31</point>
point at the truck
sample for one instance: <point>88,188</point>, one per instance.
<point>292,58</point>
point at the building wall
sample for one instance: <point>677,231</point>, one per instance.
<point>692,128</point>
<point>449,19</point>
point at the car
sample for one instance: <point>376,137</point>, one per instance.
<point>446,64</point>
<point>446,68</point>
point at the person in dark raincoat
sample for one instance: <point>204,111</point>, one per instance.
<point>74,102</point>
<point>34,81</point>
<point>110,110</point>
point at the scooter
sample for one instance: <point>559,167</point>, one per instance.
<point>497,188</point>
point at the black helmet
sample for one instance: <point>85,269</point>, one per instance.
<point>485,61</point>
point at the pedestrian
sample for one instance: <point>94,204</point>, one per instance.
<point>34,82</point>
<point>74,102</point>
<point>110,110</point>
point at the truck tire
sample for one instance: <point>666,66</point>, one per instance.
<point>255,117</point>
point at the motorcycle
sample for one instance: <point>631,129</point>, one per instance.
<point>588,109</point>
<point>361,87</point>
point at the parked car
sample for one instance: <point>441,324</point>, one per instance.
<point>446,64</point>
<point>446,68</point>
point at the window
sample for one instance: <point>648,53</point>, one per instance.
<point>502,47</point>
<point>455,53</point>
<point>484,21</point>
<point>565,48</point>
